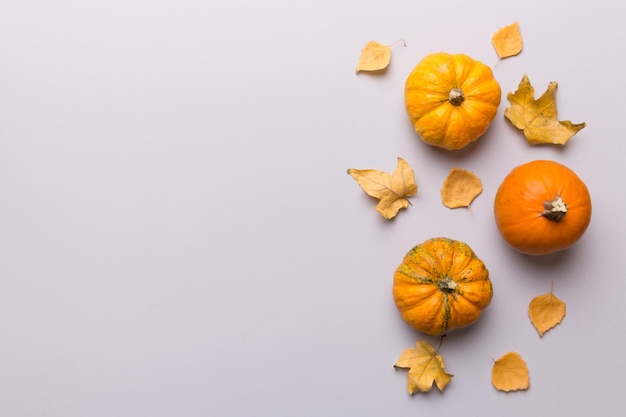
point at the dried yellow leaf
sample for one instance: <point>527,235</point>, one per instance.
<point>425,368</point>
<point>460,188</point>
<point>391,190</point>
<point>507,40</point>
<point>538,118</point>
<point>545,312</point>
<point>374,56</point>
<point>510,373</point>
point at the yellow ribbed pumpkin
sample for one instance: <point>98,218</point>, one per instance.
<point>451,99</point>
<point>441,285</point>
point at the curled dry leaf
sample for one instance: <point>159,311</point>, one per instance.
<point>510,373</point>
<point>507,41</point>
<point>538,118</point>
<point>425,368</point>
<point>391,190</point>
<point>460,188</point>
<point>545,312</point>
<point>374,56</point>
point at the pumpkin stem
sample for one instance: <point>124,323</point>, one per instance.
<point>447,285</point>
<point>554,209</point>
<point>456,97</point>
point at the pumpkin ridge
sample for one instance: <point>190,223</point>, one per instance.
<point>446,312</point>
<point>410,301</point>
<point>479,80</point>
<point>466,294</point>
<point>463,68</point>
<point>429,260</point>
<point>472,313</point>
<point>478,106</point>
<point>488,94</point>
<point>423,279</point>
<point>468,274</point>
<point>463,257</point>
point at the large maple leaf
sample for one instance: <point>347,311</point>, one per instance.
<point>537,119</point>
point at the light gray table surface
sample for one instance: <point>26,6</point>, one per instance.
<point>179,236</point>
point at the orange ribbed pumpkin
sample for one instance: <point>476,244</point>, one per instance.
<point>441,285</point>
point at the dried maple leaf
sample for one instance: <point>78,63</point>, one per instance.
<point>460,188</point>
<point>510,373</point>
<point>545,312</point>
<point>374,57</point>
<point>425,368</point>
<point>507,41</point>
<point>391,190</point>
<point>538,118</point>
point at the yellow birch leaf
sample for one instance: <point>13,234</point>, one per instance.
<point>460,188</point>
<point>537,119</point>
<point>510,373</point>
<point>545,312</point>
<point>374,56</point>
<point>507,41</point>
<point>425,368</point>
<point>392,191</point>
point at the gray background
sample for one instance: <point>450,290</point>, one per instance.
<point>179,237</point>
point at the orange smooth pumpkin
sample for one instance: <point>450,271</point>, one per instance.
<point>542,207</point>
<point>441,285</point>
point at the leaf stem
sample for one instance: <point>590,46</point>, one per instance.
<point>443,336</point>
<point>398,41</point>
